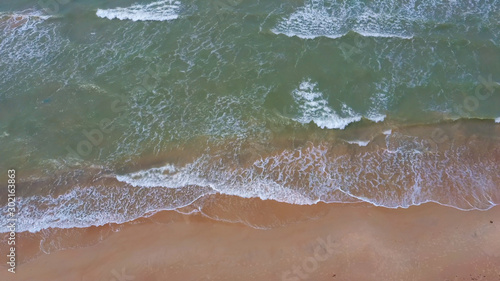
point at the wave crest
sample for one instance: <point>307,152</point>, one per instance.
<point>318,18</point>
<point>312,106</point>
<point>157,11</point>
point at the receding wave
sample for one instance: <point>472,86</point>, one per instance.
<point>397,168</point>
<point>157,11</point>
<point>97,205</point>
<point>407,171</point>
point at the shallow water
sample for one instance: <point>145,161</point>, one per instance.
<point>300,102</point>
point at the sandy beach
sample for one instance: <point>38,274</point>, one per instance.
<point>273,241</point>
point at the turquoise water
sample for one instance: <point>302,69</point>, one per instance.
<point>207,89</point>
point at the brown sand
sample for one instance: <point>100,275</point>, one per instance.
<point>321,242</point>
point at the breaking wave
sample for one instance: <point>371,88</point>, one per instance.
<point>398,19</point>
<point>312,106</point>
<point>321,18</point>
<point>163,10</point>
<point>398,170</point>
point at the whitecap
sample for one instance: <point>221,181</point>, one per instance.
<point>312,106</point>
<point>157,11</point>
<point>359,142</point>
<point>320,18</point>
<point>376,117</point>
<point>311,21</point>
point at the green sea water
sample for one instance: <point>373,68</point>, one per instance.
<point>104,84</point>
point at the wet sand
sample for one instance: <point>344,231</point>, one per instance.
<point>272,241</point>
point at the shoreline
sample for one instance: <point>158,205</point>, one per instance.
<point>399,169</point>
<point>198,203</point>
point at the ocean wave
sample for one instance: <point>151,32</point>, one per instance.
<point>29,38</point>
<point>320,18</point>
<point>29,13</point>
<point>210,172</point>
<point>22,20</point>
<point>168,176</point>
<point>312,106</point>
<point>97,205</point>
<point>455,118</point>
<point>390,19</point>
<point>309,22</point>
<point>377,117</point>
<point>359,142</point>
<point>163,10</point>
<point>404,172</point>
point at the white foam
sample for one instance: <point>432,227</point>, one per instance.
<point>384,18</point>
<point>100,205</point>
<point>309,22</point>
<point>400,176</point>
<point>21,20</point>
<point>309,174</point>
<point>376,117</point>
<point>203,173</point>
<point>497,120</point>
<point>381,24</point>
<point>333,20</point>
<point>167,176</point>
<point>359,142</point>
<point>26,14</point>
<point>387,132</point>
<point>367,33</point>
<point>28,41</point>
<point>157,11</point>
<point>312,106</point>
